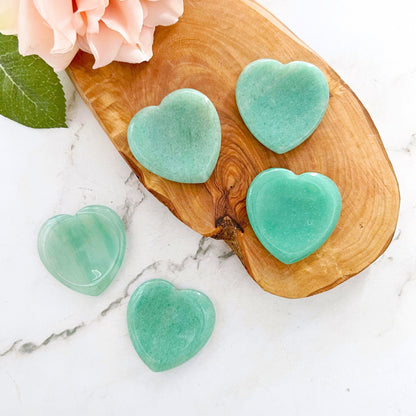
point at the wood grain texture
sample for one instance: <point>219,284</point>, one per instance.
<point>207,50</point>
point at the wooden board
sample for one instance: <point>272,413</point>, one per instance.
<point>206,50</point>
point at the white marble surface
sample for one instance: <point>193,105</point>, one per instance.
<point>347,351</point>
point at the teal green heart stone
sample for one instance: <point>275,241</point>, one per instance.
<point>168,326</point>
<point>84,251</point>
<point>292,215</point>
<point>180,139</point>
<point>282,105</point>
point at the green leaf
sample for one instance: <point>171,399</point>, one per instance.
<point>30,91</point>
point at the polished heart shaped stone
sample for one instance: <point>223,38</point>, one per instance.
<point>180,139</point>
<point>168,326</point>
<point>84,251</point>
<point>282,105</point>
<point>292,215</point>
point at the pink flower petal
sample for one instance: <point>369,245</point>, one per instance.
<point>58,14</point>
<point>125,17</point>
<point>119,30</point>
<point>104,45</point>
<point>93,11</point>
<point>162,12</point>
<point>36,37</point>
<point>140,52</point>
<point>80,23</point>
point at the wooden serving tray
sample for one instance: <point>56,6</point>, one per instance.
<point>207,50</point>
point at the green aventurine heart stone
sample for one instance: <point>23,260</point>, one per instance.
<point>84,251</point>
<point>292,215</point>
<point>180,139</point>
<point>280,104</point>
<point>168,326</point>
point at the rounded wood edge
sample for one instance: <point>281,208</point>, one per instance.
<point>226,228</point>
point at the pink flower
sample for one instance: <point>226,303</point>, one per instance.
<point>112,30</point>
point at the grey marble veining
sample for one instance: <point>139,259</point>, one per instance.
<point>347,351</point>
<point>157,268</point>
